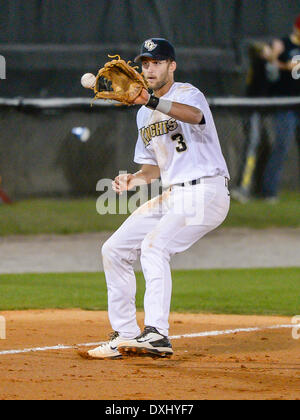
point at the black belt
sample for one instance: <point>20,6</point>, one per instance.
<point>198,181</point>
<point>193,182</point>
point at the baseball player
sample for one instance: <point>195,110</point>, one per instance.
<point>177,141</point>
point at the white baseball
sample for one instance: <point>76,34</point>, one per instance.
<point>88,80</point>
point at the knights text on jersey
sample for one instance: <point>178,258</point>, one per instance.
<point>182,151</point>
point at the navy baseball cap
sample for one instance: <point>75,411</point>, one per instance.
<point>156,48</point>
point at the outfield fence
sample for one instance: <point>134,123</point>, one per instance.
<point>62,147</point>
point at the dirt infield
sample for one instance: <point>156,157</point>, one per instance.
<point>261,364</point>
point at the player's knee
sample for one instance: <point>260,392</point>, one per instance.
<point>114,250</point>
<point>109,255</point>
<point>108,249</point>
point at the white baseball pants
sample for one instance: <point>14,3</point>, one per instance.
<point>168,224</point>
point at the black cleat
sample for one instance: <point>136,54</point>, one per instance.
<point>149,343</point>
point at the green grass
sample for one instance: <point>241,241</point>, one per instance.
<point>259,214</point>
<point>230,291</point>
<point>58,216</point>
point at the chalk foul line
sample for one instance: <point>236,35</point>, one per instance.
<point>174,337</point>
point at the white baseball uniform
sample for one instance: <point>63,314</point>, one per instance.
<point>171,222</point>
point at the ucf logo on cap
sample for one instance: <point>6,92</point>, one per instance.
<point>150,45</point>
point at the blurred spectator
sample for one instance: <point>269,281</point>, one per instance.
<point>280,55</point>
<point>270,74</point>
<point>256,147</point>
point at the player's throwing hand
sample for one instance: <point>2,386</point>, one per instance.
<point>123,182</point>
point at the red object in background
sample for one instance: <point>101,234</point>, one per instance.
<point>297,22</point>
<point>3,196</point>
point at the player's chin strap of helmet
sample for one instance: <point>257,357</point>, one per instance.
<point>158,104</point>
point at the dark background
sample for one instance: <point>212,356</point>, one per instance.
<point>49,44</point>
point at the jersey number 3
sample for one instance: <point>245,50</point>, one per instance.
<point>181,143</point>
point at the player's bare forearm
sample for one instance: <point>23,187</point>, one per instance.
<point>186,113</point>
<point>181,112</point>
<point>147,174</point>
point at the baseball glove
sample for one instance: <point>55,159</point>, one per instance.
<point>119,81</point>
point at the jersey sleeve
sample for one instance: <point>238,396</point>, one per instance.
<point>143,155</point>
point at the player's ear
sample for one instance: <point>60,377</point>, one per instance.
<point>173,66</point>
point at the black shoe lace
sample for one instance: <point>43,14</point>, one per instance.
<point>148,330</point>
<point>113,335</point>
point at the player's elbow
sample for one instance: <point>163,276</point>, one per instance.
<point>196,116</point>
